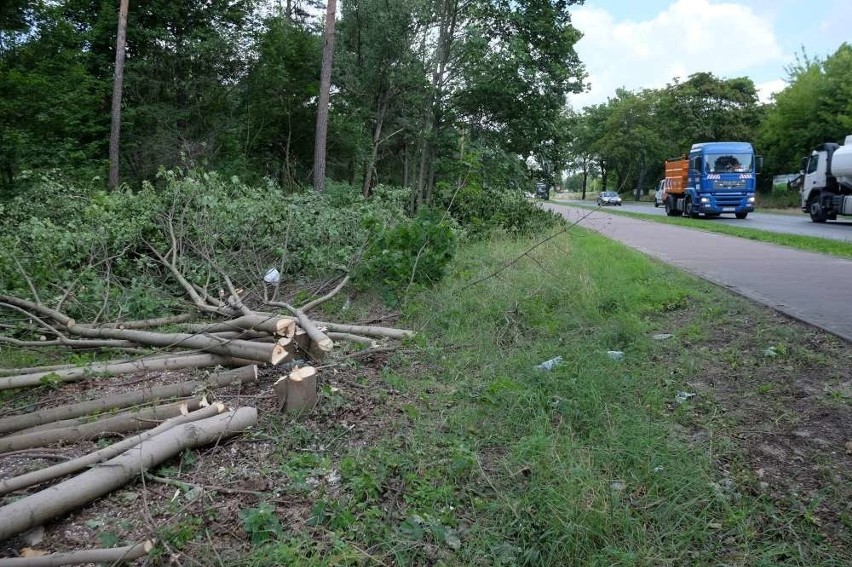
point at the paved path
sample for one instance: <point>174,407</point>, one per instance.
<point>814,288</point>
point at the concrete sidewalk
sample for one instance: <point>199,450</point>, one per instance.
<point>814,288</point>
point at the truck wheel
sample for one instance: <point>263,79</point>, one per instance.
<point>670,207</point>
<point>689,210</point>
<point>816,211</point>
<point>741,215</point>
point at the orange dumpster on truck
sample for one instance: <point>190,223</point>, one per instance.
<point>676,173</point>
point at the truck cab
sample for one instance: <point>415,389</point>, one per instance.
<point>721,179</point>
<point>826,187</point>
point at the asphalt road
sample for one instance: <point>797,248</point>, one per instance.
<point>773,222</point>
<point>814,288</point>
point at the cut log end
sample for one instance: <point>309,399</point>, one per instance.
<point>283,350</point>
<point>297,392</point>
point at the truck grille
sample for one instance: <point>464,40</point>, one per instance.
<point>728,199</point>
<point>730,184</point>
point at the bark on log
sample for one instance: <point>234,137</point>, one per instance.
<point>297,392</point>
<point>110,369</point>
<point>141,396</point>
<point>109,556</point>
<point>143,419</point>
<point>368,330</point>
<point>70,343</point>
<point>323,344</point>
<point>360,339</point>
<point>80,463</point>
<point>34,510</point>
<point>226,347</point>
<point>268,323</point>
<point>235,348</point>
<point>147,323</point>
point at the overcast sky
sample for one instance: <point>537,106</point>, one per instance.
<point>646,43</point>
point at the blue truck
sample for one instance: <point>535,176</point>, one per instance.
<point>716,178</point>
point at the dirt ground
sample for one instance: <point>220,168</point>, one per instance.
<point>785,410</point>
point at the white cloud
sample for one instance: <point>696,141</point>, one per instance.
<point>769,88</point>
<point>726,39</point>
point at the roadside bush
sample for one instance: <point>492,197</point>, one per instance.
<point>480,211</point>
<point>99,244</point>
<point>414,252</point>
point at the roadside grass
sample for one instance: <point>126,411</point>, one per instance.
<point>484,460</point>
<point>808,243</point>
<point>590,463</point>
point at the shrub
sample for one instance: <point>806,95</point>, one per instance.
<point>413,252</point>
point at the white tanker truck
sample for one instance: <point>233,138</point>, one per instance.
<point>827,181</point>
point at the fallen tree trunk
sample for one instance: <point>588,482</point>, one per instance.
<point>70,343</point>
<point>265,322</point>
<point>234,348</point>
<point>368,330</point>
<point>352,338</point>
<point>133,421</point>
<point>80,463</point>
<point>147,323</point>
<point>73,493</point>
<point>110,556</point>
<point>110,369</point>
<point>137,397</point>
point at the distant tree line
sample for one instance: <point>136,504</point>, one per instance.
<point>432,95</point>
<point>418,88</point>
<point>623,143</point>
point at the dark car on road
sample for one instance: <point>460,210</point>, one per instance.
<point>542,191</point>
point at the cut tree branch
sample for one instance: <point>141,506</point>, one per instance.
<point>80,463</point>
<point>73,493</point>
<point>142,396</point>
<point>111,556</point>
<point>145,418</point>
<point>110,369</point>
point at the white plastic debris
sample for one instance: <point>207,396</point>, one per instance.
<point>273,276</point>
<point>549,364</point>
<point>662,336</point>
<point>770,352</point>
<point>683,396</point>
<point>615,354</point>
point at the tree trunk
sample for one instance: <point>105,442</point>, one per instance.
<point>35,510</point>
<point>124,423</point>
<point>366,189</point>
<point>106,556</point>
<point>115,128</point>
<point>431,114</point>
<point>370,331</point>
<point>322,106</point>
<point>112,369</point>
<point>145,395</point>
<point>298,391</point>
<point>114,450</point>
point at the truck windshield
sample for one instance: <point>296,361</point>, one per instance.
<point>728,163</point>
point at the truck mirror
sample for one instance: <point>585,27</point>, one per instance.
<point>758,164</point>
<point>803,165</point>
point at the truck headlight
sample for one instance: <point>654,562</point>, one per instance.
<point>705,200</point>
<point>751,198</point>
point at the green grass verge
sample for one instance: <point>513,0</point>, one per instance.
<point>808,243</point>
<point>494,462</point>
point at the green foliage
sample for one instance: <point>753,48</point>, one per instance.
<point>815,107</point>
<point>98,244</point>
<point>261,523</point>
<point>413,252</point>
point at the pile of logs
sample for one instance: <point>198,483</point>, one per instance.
<point>158,422</point>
